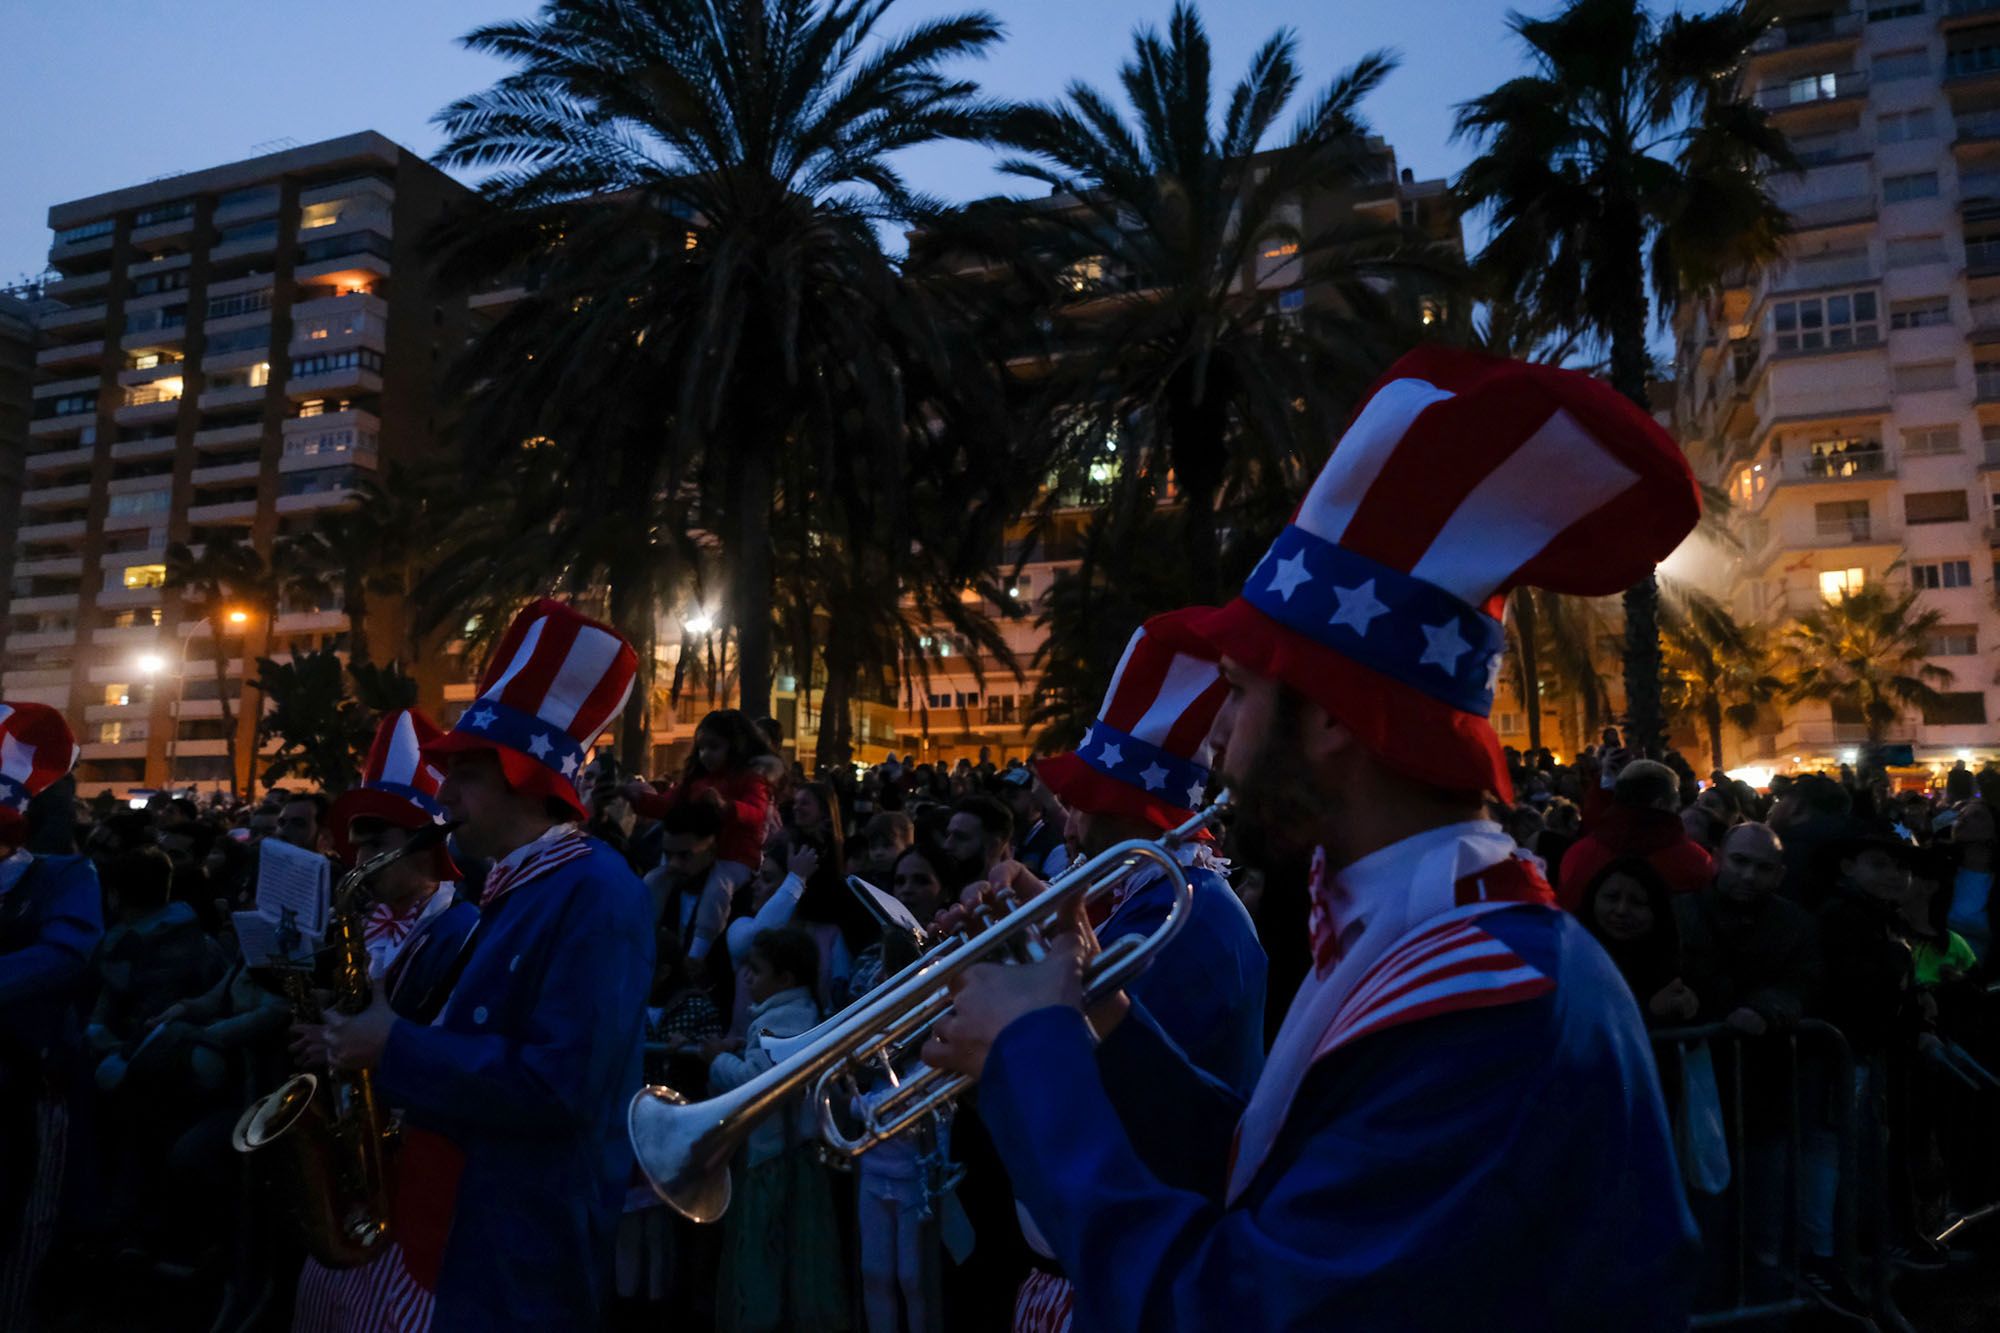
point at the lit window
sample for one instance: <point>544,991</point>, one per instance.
<point>145,576</point>
<point>1835,584</point>
<point>320,215</point>
<point>1845,319</point>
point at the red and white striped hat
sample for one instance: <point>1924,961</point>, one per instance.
<point>1147,754</point>
<point>1462,477</point>
<point>398,786</point>
<point>552,686</point>
<point>36,749</point>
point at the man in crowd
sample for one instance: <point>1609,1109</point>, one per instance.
<point>687,853</point>
<point>1397,1165</point>
<point>1752,956</point>
<point>519,1087</point>
<point>302,820</point>
<point>50,922</point>
<point>978,836</point>
<point>1041,838</point>
<point>1643,821</point>
<point>1813,811</point>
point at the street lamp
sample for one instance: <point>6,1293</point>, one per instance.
<point>238,617</point>
<point>701,622</point>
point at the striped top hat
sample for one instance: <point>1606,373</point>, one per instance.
<point>36,749</point>
<point>552,686</point>
<point>1462,477</point>
<point>1146,756</point>
<point>398,786</point>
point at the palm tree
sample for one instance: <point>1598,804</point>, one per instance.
<point>699,185</point>
<point>1867,654</point>
<point>226,575</point>
<point>1717,669</point>
<point>359,550</point>
<point>1626,154</point>
<point>1169,353</point>
<point>322,731</point>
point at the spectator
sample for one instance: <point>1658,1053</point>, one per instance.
<point>1970,906</point>
<point>829,911</point>
<point>1039,838</point>
<point>887,835</point>
<point>1750,956</point>
<point>154,955</point>
<point>1643,821</point>
<point>979,834</point>
<point>302,821</point>
<point>1562,822</point>
<point>1813,811</point>
<point>781,1262</point>
<point>1628,907</point>
<point>685,892</point>
<point>722,774</point>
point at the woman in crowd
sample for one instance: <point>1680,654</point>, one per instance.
<point>1629,909</point>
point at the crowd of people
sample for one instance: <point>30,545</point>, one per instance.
<point>1827,897</point>
<point>1334,1080</point>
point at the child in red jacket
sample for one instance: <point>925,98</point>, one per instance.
<point>722,773</point>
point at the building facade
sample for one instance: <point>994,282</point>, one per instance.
<point>1848,397</point>
<point>235,349</point>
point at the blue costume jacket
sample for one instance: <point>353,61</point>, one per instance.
<point>422,970</point>
<point>528,1070</point>
<point>1206,988</point>
<point>1507,1168</point>
<point>51,919</point>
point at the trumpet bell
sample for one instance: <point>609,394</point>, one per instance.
<point>275,1114</point>
<point>665,1129</point>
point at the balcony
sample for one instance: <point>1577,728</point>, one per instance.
<point>115,750</point>
<point>228,511</point>
<point>223,473</point>
<point>239,395</point>
<point>41,640</point>
<point>60,601</point>
<point>67,530</point>
<point>61,460</point>
<point>1986,386</point>
<point>121,596</point>
<point>249,205</point>
<point>228,437</point>
<point>158,264</point>
<point>71,354</point>
<point>1972,69</point>
<point>153,446</point>
<point>1808,34</point>
<point>330,439</point>
<point>64,289</point>
<point>1812,91</point>
<point>1869,531</point>
<point>1846,211</point>
<point>52,497</point>
<point>159,224</point>
<point>53,566</point>
<point>77,242</point>
<point>148,405</point>
<point>70,423</point>
<point>307,503</point>
<point>310,622</point>
<point>1963,13</point>
<point>263,240</point>
<point>73,317</point>
<point>1802,735</point>
<point>143,375</point>
<point>344,381</point>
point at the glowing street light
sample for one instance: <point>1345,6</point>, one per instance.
<point>701,622</point>
<point>238,617</point>
<point>151,664</point>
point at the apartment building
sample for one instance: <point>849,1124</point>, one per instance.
<point>17,368</point>
<point>1848,397</point>
<point>234,349</point>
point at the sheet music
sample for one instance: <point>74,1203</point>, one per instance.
<point>886,908</point>
<point>290,878</point>
<point>258,937</point>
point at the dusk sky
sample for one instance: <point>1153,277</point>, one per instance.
<point>110,93</point>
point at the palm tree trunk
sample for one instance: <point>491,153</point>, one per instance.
<point>1198,446</point>
<point>833,746</point>
<point>354,600</point>
<point>631,597</point>
<point>1712,714</point>
<point>1525,636</point>
<point>751,574</point>
<point>1645,732</point>
<point>222,701</point>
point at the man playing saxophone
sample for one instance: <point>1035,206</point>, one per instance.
<point>411,934</point>
<point>515,1094</point>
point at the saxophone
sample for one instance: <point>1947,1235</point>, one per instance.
<point>333,1138</point>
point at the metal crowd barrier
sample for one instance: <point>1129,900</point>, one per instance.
<point>1731,1280</point>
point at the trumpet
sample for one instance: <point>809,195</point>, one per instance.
<point>684,1147</point>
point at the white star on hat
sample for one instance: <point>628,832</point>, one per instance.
<point>540,747</point>
<point>1493,673</point>
<point>1110,756</point>
<point>1195,794</point>
<point>482,718</point>
<point>1443,647</point>
<point>1358,607</point>
<point>569,765</point>
<point>1154,777</point>
<point>1291,573</point>
<point>17,757</point>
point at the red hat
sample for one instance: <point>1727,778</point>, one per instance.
<point>1462,477</point>
<point>36,749</point>
<point>1146,757</point>
<point>397,787</point>
<point>554,683</point>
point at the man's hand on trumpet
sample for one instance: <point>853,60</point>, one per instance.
<point>985,999</point>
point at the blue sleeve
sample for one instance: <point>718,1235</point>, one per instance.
<point>72,922</point>
<point>552,1074</point>
<point>1205,990</point>
<point>1181,1119</point>
<point>1391,1195</point>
